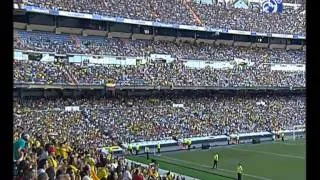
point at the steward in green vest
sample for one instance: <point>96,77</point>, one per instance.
<point>215,161</point>
<point>137,149</point>
<point>158,147</point>
<point>189,144</point>
<point>147,150</point>
<point>130,148</point>
<point>185,143</point>
<point>239,171</point>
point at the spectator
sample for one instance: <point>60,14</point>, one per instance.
<point>137,175</point>
<point>43,176</point>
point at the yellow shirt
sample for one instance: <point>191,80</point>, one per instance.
<point>64,152</point>
<point>93,174</point>
<point>155,174</point>
<point>52,162</point>
<point>239,169</point>
<point>102,172</point>
<point>169,177</point>
<point>58,151</point>
<point>216,157</point>
<point>109,156</point>
<point>74,169</point>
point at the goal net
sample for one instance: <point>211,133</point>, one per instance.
<point>298,132</point>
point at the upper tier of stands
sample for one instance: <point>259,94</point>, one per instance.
<point>291,21</point>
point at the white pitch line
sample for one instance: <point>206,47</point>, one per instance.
<point>219,169</point>
<point>270,153</point>
<point>291,144</point>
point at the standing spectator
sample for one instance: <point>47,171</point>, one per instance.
<point>19,147</point>
<point>42,166</point>
<point>137,176</point>
<point>127,174</point>
<point>51,158</point>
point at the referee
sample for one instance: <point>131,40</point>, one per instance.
<point>215,161</point>
<point>239,171</point>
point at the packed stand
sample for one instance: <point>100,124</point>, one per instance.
<point>157,73</point>
<point>43,157</point>
<point>38,72</point>
<point>177,12</point>
<point>51,143</point>
<point>154,73</point>
<point>288,22</point>
<point>48,42</point>
<point>102,122</point>
<point>294,1</point>
<point>166,11</point>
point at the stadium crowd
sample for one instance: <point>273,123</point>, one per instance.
<point>45,158</point>
<point>65,144</point>
<point>189,13</point>
<point>48,42</point>
<point>101,121</point>
<point>51,142</point>
<point>156,73</point>
<point>38,72</point>
<point>289,22</point>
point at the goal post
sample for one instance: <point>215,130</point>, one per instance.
<point>298,132</point>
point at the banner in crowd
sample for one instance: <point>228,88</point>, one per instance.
<point>203,1</point>
<point>288,67</point>
<point>261,103</point>
<point>110,83</point>
<point>72,108</point>
<point>177,105</point>
<point>243,62</point>
<point>272,6</point>
<point>166,57</point>
<point>241,4</point>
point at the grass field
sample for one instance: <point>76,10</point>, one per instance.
<point>266,161</point>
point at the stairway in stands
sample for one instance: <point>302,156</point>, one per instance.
<point>69,75</point>
<point>195,16</point>
<point>76,40</point>
<point>16,37</point>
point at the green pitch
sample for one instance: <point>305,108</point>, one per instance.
<point>267,161</point>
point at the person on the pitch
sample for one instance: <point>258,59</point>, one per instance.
<point>158,147</point>
<point>130,148</point>
<point>239,171</point>
<point>238,139</point>
<point>189,144</point>
<point>282,137</point>
<point>137,149</point>
<point>215,161</point>
<point>147,150</point>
